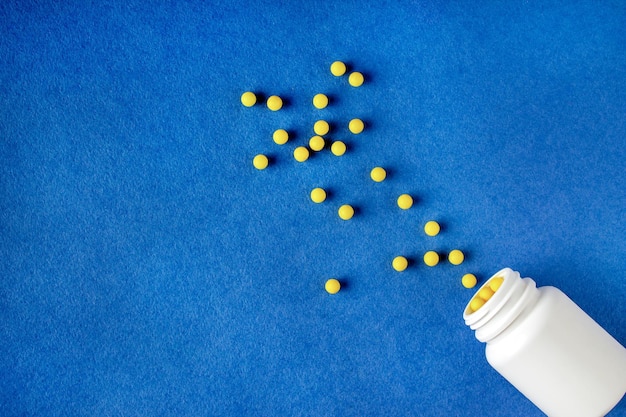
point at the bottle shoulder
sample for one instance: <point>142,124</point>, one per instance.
<point>531,323</point>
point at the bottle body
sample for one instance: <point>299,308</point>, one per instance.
<point>551,350</point>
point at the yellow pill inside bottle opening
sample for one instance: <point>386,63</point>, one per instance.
<point>485,293</point>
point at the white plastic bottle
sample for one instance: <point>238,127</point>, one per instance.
<point>547,347</point>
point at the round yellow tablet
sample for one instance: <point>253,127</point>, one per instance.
<point>280,136</point>
<point>260,162</point>
<point>432,228</point>
<point>431,258</point>
<point>456,257</point>
<point>485,293</point>
<point>274,103</point>
<point>476,303</point>
<point>320,101</point>
<point>248,99</point>
<point>400,263</point>
<point>301,154</point>
<point>346,212</point>
<point>405,201</point>
<point>495,283</point>
<point>356,79</point>
<point>356,126</point>
<point>378,174</point>
<point>321,127</point>
<point>469,280</point>
<point>338,148</point>
<point>317,143</point>
<point>338,68</point>
<point>318,195</point>
<point>332,286</point>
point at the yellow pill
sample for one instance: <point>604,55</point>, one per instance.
<point>378,174</point>
<point>317,143</point>
<point>280,136</point>
<point>321,127</point>
<point>274,103</point>
<point>495,283</point>
<point>400,263</point>
<point>431,258</point>
<point>405,201</point>
<point>456,257</point>
<point>260,162</point>
<point>356,126</point>
<point>346,212</point>
<point>356,79</point>
<point>318,195</point>
<point>248,99</point>
<point>320,101</point>
<point>485,293</point>
<point>432,228</point>
<point>476,303</point>
<point>469,280</point>
<point>332,286</point>
<point>338,68</point>
<point>338,148</point>
<point>301,154</point>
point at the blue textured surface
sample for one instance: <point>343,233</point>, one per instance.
<point>147,269</point>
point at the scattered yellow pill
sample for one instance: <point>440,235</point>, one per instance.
<point>405,201</point>
<point>431,258</point>
<point>318,195</point>
<point>476,303</point>
<point>317,143</point>
<point>301,154</point>
<point>332,286</point>
<point>456,257</point>
<point>346,212</point>
<point>321,127</point>
<point>469,280</point>
<point>495,283</point>
<point>356,126</point>
<point>432,228</point>
<point>485,293</point>
<point>280,136</point>
<point>274,103</point>
<point>248,99</point>
<point>378,174</point>
<point>338,148</point>
<point>320,101</point>
<point>338,68</point>
<point>400,263</point>
<point>356,79</point>
<point>260,162</point>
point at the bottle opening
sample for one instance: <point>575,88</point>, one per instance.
<point>484,294</point>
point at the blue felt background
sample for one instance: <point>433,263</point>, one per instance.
<point>146,268</point>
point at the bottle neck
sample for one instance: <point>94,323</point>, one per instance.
<point>513,296</point>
